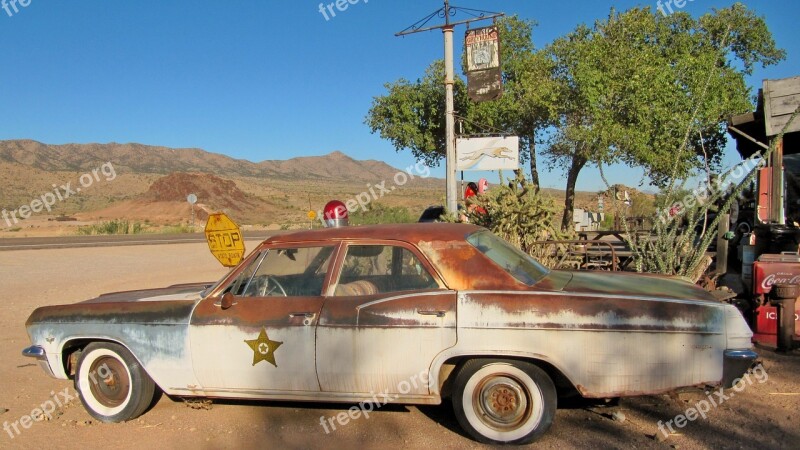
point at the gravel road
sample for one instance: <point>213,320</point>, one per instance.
<point>765,414</point>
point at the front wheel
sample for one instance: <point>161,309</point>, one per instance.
<point>503,401</point>
<point>113,386</point>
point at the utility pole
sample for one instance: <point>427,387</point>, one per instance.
<point>449,80</point>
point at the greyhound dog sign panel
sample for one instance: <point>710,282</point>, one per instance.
<point>488,153</point>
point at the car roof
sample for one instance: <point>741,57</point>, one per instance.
<point>409,232</point>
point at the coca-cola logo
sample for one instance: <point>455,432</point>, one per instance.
<point>779,278</point>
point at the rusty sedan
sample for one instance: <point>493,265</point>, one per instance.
<point>417,312</point>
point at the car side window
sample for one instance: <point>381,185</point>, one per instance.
<point>375,269</point>
<point>287,272</point>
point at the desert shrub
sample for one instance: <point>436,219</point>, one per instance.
<point>378,214</point>
<point>519,213</point>
<point>176,229</point>
<point>116,226</point>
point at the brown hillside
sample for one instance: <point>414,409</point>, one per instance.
<point>210,190</point>
<point>165,201</point>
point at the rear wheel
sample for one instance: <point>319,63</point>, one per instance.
<point>112,384</point>
<point>503,401</point>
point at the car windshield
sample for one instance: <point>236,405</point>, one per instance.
<point>214,286</point>
<point>514,261</point>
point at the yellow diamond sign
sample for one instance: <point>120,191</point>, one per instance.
<point>224,239</point>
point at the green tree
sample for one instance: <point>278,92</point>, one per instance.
<point>379,213</point>
<point>636,88</point>
<point>412,115</point>
<point>654,91</point>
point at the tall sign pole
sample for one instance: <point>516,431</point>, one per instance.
<point>449,80</point>
<point>450,120</point>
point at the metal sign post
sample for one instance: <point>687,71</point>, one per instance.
<point>192,199</point>
<point>447,29</point>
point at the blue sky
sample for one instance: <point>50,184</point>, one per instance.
<point>257,79</point>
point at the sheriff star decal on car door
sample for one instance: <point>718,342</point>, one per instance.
<point>263,348</point>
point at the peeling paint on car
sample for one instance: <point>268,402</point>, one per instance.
<point>608,334</point>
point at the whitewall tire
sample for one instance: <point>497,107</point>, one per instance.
<point>503,401</point>
<point>112,385</point>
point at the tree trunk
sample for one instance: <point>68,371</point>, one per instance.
<point>569,203</point>
<point>534,171</point>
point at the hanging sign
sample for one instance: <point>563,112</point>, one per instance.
<point>484,78</point>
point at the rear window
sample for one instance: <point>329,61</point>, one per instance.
<point>511,259</point>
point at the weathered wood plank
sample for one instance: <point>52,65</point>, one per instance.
<point>775,126</point>
<point>782,87</point>
<point>781,98</point>
<point>784,105</point>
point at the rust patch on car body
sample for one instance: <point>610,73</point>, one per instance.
<point>540,310</point>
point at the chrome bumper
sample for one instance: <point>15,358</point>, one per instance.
<point>34,351</point>
<point>37,352</point>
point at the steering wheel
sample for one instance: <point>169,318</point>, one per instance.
<point>264,289</point>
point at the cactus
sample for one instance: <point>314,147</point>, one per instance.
<point>519,213</point>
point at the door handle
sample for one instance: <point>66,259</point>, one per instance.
<point>307,317</point>
<point>432,313</point>
<point>218,303</point>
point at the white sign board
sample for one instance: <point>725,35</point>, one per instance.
<point>487,153</point>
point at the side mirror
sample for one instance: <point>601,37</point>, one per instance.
<point>226,301</point>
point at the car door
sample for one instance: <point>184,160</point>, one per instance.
<point>385,319</point>
<point>265,341</point>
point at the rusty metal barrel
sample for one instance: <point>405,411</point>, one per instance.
<point>783,297</point>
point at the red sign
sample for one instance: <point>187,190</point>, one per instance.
<point>767,274</point>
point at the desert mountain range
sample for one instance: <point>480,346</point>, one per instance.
<point>151,183</point>
<point>142,159</point>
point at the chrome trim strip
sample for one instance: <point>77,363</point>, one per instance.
<point>596,295</point>
<point>402,296</point>
<point>314,396</point>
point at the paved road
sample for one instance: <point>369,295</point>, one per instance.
<point>39,243</point>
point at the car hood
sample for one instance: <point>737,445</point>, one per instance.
<point>632,284</point>
<point>176,292</point>
<point>171,305</point>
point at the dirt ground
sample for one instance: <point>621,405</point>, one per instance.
<point>763,415</point>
